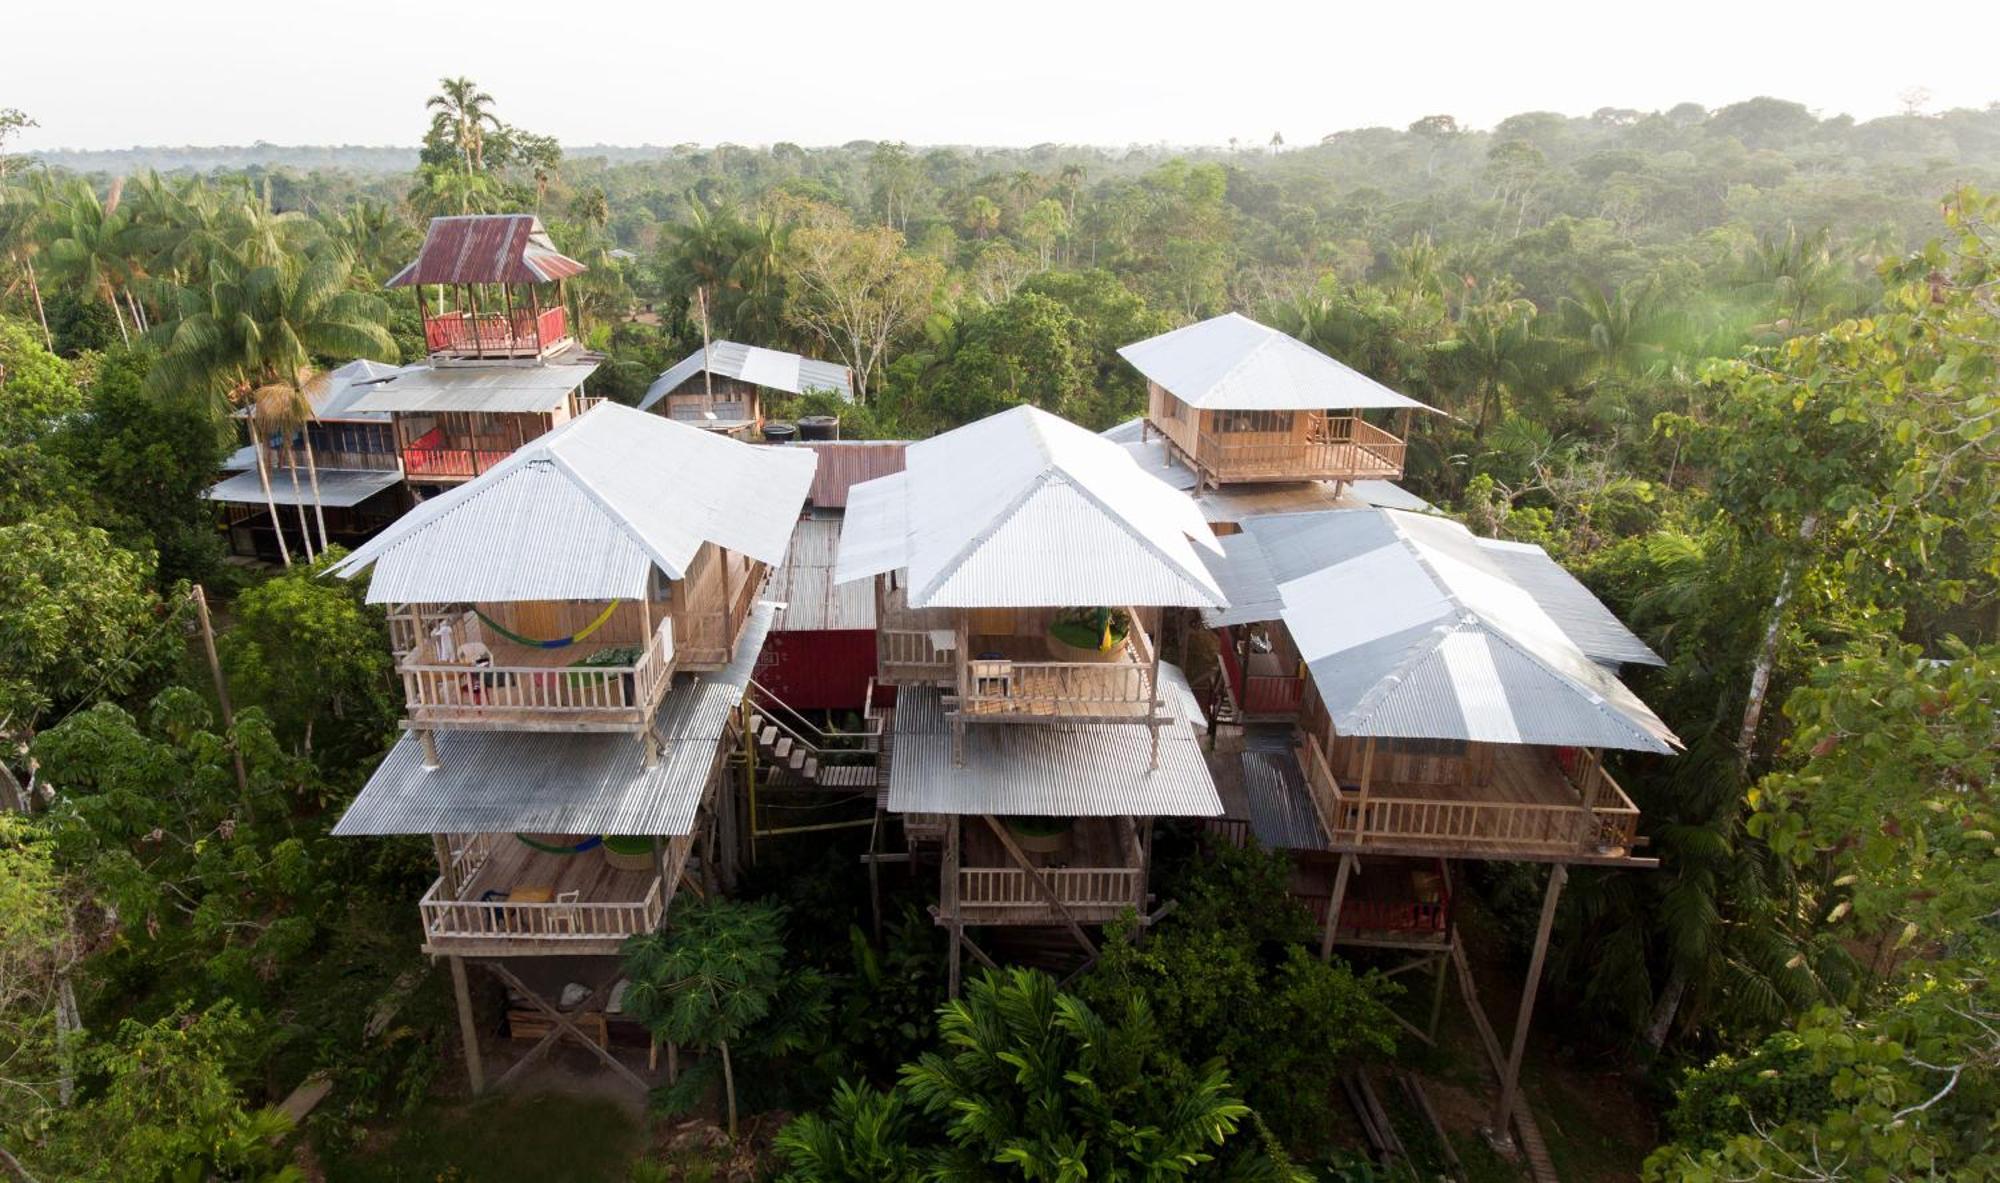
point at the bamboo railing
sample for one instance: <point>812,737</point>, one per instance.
<point>1079,888</point>
<point>622,696</point>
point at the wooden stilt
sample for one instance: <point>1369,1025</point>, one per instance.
<point>875,876</point>
<point>1510,1077</point>
<point>1333,906</point>
<point>1041,883</point>
<point>431,760</point>
<point>468,1030</point>
<point>564,1025</point>
<point>948,897</point>
<point>1442,969</point>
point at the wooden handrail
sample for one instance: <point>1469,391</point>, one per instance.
<point>1089,887</point>
<point>446,691</point>
<point>582,920</point>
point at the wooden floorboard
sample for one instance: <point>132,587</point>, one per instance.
<point>513,866</point>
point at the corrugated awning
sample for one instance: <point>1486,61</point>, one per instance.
<point>489,390</point>
<point>340,487</point>
<point>522,782</point>
<point>1073,770</point>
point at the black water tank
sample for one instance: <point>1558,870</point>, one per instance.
<point>779,433</point>
<point>819,427</point>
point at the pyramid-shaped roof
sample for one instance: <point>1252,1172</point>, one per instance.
<point>1024,509</point>
<point>586,511</point>
<point>1232,363</point>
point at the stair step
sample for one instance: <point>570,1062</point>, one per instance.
<point>798,759</point>
<point>783,747</point>
<point>756,723</point>
<point>767,737</point>
<point>847,776</point>
<point>811,770</point>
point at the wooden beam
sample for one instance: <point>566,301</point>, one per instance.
<point>1361,802</point>
<point>948,897</point>
<point>1333,904</point>
<point>1041,885</point>
<point>468,1031</point>
<point>1511,1075</point>
<point>562,1021</point>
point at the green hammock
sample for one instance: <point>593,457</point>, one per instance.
<point>559,642</point>
<point>589,843</point>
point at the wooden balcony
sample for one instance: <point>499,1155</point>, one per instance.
<point>496,335</point>
<point>1335,448</point>
<point>1264,686</point>
<point>1097,873</point>
<point>1537,804</point>
<point>1005,678</point>
<point>525,688</point>
<point>505,897</point>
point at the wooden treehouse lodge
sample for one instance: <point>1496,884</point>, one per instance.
<point>1239,403</point>
<point>503,369</point>
<point>1036,732</point>
<point>1429,697</point>
<point>723,387</point>
<point>575,630</point>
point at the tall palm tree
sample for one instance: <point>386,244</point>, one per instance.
<point>285,408</point>
<point>86,247</point>
<point>462,110</point>
<point>22,210</point>
<point>702,261</point>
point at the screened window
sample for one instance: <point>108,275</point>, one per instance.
<point>1449,748</point>
<point>1253,422</point>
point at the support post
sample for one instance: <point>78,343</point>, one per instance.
<point>1333,906</point>
<point>1361,801</point>
<point>1510,1077</point>
<point>1041,883</point>
<point>467,1029</point>
<point>431,761</point>
<point>948,896</point>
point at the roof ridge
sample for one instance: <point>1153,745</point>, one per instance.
<point>1598,701</point>
<point>979,538</point>
<point>603,503</point>
<point>1090,495</point>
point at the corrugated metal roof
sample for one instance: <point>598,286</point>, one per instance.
<point>773,369</point>
<point>242,458</point>
<point>1241,502</point>
<point>334,396</point>
<point>844,464</point>
<point>1245,579</point>
<point>1410,628</point>
<point>582,512</point>
<point>1281,814</point>
<point>491,389</point>
<point>1231,362</point>
<point>1060,770</point>
<point>487,248</point>
<point>1581,615</point>
<point>533,782</point>
<point>804,584</point>
<point>1023,509</point>
<point>339,487</point>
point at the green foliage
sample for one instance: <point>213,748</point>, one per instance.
<point>1228,975</point>
<point>309,650</point>
<point>1033,1082</point>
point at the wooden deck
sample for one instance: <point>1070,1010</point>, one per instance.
<point>1013,676</point>
<point>1097,876</point>
<point>511,900</point>
<point>531,688</point>
<point>1531,808</point>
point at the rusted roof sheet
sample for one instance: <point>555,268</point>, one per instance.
<point>487,248</point>
<point>846,463</point>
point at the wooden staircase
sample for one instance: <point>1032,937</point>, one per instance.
<point>803,754</point>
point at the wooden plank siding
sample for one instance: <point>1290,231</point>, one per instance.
<point>1246,446</point>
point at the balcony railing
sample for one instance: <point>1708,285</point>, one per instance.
<point>578,923</point>
<point>1114,690</point>
<point>1602,818</point>
<point>439,460</point>
<point>611,697</point>
<point>1090,893</point>
<point>910,655</point>
<point>1337,448</point>
<point>496,334</point>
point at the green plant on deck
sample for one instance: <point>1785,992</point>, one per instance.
<point>1085,628</point>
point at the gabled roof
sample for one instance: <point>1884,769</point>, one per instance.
<point>586,511</point>
<point>1231,362</point>
<point>1023,509</point>
<point>1410,628</point>
<point>487,248</point>
<point>773,369</point>
<point>1582,617</point>
<point>489,390</point>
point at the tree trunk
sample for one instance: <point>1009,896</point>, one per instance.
<point>1767,652</point>
<point>312,471</point>
<point>12,1168</point>
<point>729,1087</point>
<point>120,314</point>
<point>298,502</point>
<point>35,286</point>
<point>707,377</point>
<point>1666,1008</point>
<point>271,503</point>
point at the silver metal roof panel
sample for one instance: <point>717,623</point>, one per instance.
<point>1231,362</point>
<point>340,487</point>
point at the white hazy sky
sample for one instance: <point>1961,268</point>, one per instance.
<point>120,72</point>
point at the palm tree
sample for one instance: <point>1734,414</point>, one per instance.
<point>1497,352</point>
<point>703,260</point>
<point>22,210</point>
<point>462,111</point>
<point>380,240</point>
<point>285,408</point>
<point>85,246</point>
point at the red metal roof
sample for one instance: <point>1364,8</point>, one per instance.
<point>487,248</point>
<point>846,463</point>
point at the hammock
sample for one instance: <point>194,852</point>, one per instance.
<point>559,642</point>
<point>589,843</point>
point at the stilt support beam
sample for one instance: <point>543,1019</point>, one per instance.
<point>468,1030</point>
<point>1510,1076</point>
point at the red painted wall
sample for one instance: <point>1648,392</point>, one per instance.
<point>825,671</point>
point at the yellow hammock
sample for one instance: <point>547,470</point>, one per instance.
<point>558,643</point>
